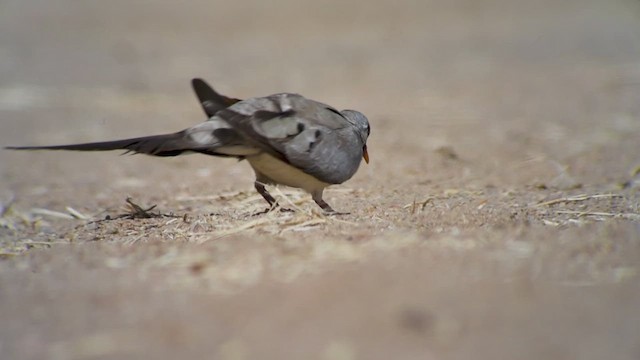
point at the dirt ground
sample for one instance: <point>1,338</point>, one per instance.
<point>499,217</point>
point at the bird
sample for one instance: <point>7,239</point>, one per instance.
<point>286,138</point>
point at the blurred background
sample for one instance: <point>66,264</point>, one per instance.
<point>439,73</point>
<point>484,108</point>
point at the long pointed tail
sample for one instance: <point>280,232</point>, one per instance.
<point>170,144</point>
<point>158,145</point>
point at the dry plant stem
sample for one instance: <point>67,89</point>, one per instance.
<point>581,197</point>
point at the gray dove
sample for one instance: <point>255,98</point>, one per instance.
<point>286,138</point>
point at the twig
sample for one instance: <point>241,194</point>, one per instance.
<point>279,192</point>
<point>245,226</point>
<point>421,204</point>
<point>303,225</point>
<point>52,213</point>
<point>136,212</point>
<point>76,214</point>
<point>596,213</point>
<point>581,197</point>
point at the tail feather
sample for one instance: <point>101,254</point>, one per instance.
<point>206,138</point>
<point>158,145</point>
<point>211,101</point>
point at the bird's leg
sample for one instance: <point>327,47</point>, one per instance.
<point>265,194</point>
<point>317,197</point>
<point>273,203</point>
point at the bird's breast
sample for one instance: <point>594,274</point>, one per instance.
<point>282,173</point>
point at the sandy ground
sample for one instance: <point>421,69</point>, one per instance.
<point>499,217</point>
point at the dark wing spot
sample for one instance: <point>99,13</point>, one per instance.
<point>316,141</point>
<point>300,127</point>
<point>225,135</point>
<point>268,115</point>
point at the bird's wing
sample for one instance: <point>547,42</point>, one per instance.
<point>308,135</point>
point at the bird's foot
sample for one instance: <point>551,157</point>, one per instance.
<point>274,207</point>
<point>328,210</point>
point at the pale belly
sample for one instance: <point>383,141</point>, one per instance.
<point>285,174</point>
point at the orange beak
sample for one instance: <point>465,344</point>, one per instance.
<point>365,154</point>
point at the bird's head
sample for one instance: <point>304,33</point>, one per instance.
<point>362,127</point>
